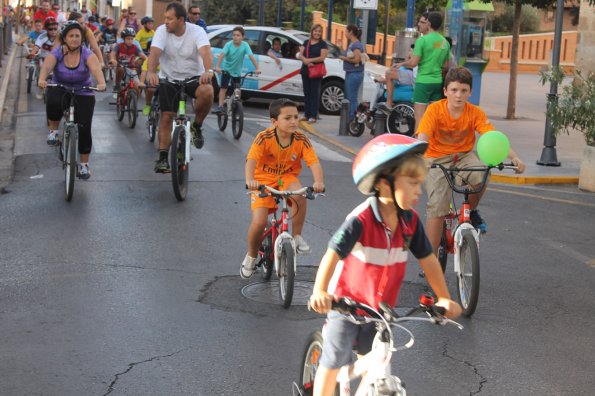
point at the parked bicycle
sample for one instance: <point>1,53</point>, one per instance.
<point>277,249</point>
<point>400,119</point>
<point>127,97</point>
<point>461,239</point>
<point>233,107</point>
<point>68,145</point>
<point>181,141</point>
<point>374,368</point>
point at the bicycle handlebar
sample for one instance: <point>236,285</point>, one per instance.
<point>307,192</point>
<point>179,82</point>
<point>73,89</point>
<point>448,173</point>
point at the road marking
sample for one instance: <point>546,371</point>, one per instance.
<point>557,245</point>
<point>559,200</point>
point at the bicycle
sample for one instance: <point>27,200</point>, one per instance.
<point>153,118</point>
<point>180,141</point>
<point>68,145</point>
<point>280,254</point>
<point>461,239</point>
<point>32,67</point>
<point>374,368</point>
<point>126,100</point>
<point>108,72</point>
<point>233,106</point>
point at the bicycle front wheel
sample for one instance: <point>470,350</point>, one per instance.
<point>237,119</point>
<point>179,168</point>
<point>310,363</point>
<point>120,107</point>
<point>29,79</point>
<point>286,273</point>
<point>443,249</point>
<point>468,278</point>
<point>152,124</point>
<point>266,257</point>
<point>70,146</point>
<point>132,109</point>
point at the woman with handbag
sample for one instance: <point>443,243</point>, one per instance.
<point>312,54</point>
<point>353,65</point>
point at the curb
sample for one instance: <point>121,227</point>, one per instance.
<point>6,79</point>
<point>503,179</point>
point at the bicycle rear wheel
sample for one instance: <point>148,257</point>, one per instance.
<point>237,119</point>
<point>310,362</point>
<point>222,118</point>
<point>265,257</point>
<point>70,146</point>
<point>468,278</point>
<point>286,273</point>
<point>179,168</point>
<point>355,128</point>
<point>132,109</point>
<point>120,107</point>
<point>401,120</point>
<point>29,79</point>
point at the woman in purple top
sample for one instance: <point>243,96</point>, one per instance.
<point>72,64</point>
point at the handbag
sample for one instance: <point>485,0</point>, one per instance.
<point>318,70</point>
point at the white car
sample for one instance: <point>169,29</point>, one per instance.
<point>284,80</point>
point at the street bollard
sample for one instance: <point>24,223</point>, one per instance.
<point>379,123</point>
<point>344,118</point>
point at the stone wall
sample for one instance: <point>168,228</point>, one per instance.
<point>585,49</point>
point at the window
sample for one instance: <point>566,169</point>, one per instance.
<point>252,37</point>
<point>221,39</point>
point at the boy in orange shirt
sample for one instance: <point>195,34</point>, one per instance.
<point>449,127</point>
<point>275,160</point>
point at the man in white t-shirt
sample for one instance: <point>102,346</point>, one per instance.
<point>182,51</point>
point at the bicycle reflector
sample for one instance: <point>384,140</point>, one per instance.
<point>426,300</point>
<point>493,147</point>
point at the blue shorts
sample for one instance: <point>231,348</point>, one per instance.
<point>341,337</point>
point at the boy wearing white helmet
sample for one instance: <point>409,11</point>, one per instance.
<point>367,256</point>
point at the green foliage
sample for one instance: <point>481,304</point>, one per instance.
<point>574,108</point>
<point>529,20</point>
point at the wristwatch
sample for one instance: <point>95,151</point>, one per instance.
<point>210,71</point>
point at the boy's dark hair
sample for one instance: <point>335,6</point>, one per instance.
<point>354,30</point>
<point>458,74</point>
<point>435,19</point>
<point>276,39</point>
<point>239,29</point>
<point>191,7</point>
<point>37,21</point>
<point>178,8</point>
<point>278,104</point>
<point>74,16</point>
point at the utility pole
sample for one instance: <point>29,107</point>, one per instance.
<point>549,156</point>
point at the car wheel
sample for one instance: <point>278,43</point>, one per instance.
<point>331,95</point>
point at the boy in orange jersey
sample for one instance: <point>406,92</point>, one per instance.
<point>449,127</point>
<point>275,160</point>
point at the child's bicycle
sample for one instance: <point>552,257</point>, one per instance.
<point>461,239</point>
<point>374,368</point>
<point>126,100</point>
<point>233,107</point>
<point>280,254</point>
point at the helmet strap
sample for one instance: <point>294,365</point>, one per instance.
<point>400,221</point>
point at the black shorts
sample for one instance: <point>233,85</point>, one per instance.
<point>226,78</point>
<point>169,95</point>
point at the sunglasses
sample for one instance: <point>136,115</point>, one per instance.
<point>52,29</point>
<point>132,13</point>
<point>196,13</point>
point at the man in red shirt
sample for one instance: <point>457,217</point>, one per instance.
<point>44,11</point>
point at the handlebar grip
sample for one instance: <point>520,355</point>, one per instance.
<point>439,310</point>
<point>344,305</point>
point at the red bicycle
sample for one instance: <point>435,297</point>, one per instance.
<point>126,101</point>
<point>280,254</point>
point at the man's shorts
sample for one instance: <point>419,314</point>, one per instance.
<point>426,93</point>
<point>169,96</point>
<point>436,185</point>
<point>268,201</point>
<point>340,337</point>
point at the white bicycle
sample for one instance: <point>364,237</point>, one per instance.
<point>378,379</point>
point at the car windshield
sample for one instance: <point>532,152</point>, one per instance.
<point>333,50</point>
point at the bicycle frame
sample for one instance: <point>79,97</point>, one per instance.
<point>182,118</point>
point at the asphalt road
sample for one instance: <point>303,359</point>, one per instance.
<point>125,291</point>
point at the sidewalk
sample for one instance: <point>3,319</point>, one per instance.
<point>6,133</point>
<point>526,133</point>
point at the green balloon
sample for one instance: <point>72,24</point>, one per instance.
<point>493,147</point>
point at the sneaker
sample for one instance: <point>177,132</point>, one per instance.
<point>39,95</point>
<point>52,138</point>
<point>300,245</point>
<point>146,110</point>
<point>84,172</point>
<point>311,120</point>
<point>162,166</point>
<point>478,222</point>
<point>248,267</point>
<point>197,137</point>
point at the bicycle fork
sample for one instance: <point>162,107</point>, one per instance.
<point>284,236</point>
